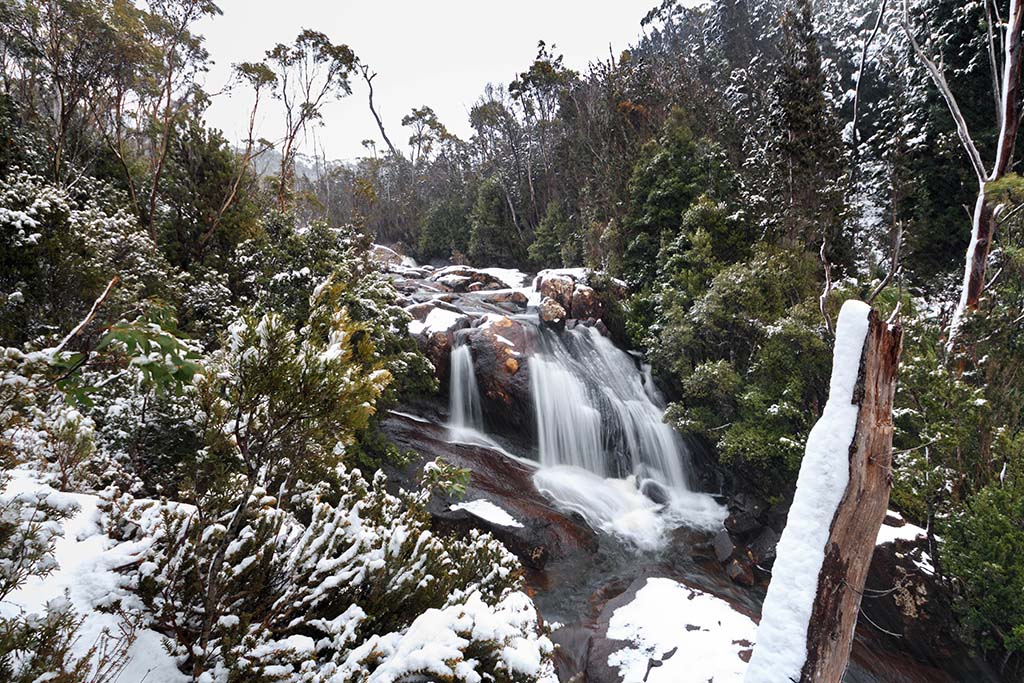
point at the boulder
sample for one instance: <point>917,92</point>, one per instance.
<point>762,548</point>
<point>557,287</point>
<point>504,296</point>
<point>723,545</point>
<point>434,326</point>
<point>745,513</point>
<point>586,303</point>
<point>551,313</point>
<point>741,571</point>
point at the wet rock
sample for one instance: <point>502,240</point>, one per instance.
<point>723,545</point>
<point>602,328</point>
<point>501,347</point>
<point>556,287</point>
<point>586,303</point>
<point>741,571</point>
<point>654,491</point>
<point>745,512</point>
<point>546,533</point>
<point>551,313</point>
<point>762,549</point>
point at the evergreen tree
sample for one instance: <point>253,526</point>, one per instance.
<point>808,155</point>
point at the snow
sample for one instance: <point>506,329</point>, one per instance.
<point>696,636</point>
<point>907,532</point>
<point>488,511</point>
<point>87,574</point>
<point>438,320</point>
<point>824,473</point>
<point>410,416</point>
<point>433,645</point>
<point>515,279</point>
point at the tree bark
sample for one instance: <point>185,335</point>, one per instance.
<point>854,529</point>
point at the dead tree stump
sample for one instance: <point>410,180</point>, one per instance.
<point>851,541</point>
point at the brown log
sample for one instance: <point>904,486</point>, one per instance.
<point>851,541</point>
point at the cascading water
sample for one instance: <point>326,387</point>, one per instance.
<point>464,409</point>
<point>605,450</point>
<point>593,411</point>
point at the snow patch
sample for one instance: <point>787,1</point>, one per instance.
<point>438,320</point>
<point>87,574</point>
<point>696,636</point>
<point>488,511</point>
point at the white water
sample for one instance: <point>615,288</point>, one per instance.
<point>464,410</point>
<point>603,443</point>
<point>605,451</point>
<point>594,412</point>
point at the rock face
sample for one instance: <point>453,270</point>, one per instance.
<point>501,348</point>
<point>545,534</point>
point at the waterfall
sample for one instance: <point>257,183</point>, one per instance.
<point>595,410</point>
<point>605,451</point>
<point>464,410</point>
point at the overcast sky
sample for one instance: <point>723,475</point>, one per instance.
<point>435,52</point>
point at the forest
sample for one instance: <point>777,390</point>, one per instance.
<point>559,400</point>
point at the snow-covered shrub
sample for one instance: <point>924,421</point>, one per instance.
<point>58,250</point>
<point>363,590</point>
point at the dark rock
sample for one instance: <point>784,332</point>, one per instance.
<point>740,571</point>
<point>745,511</point>
<point>723,545</point>
<point>655,491</point>
<point>602,328</point>
<point>762,549</point>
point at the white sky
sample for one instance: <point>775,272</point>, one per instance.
<point>440,53</point>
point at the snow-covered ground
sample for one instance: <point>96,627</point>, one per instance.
<point>438,320</point>
<point>87,576</point>
<point>696,636</point>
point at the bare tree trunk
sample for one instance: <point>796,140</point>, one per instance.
<point>368,77</point>
<point>851,541</point>
<point>1008,86</point>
